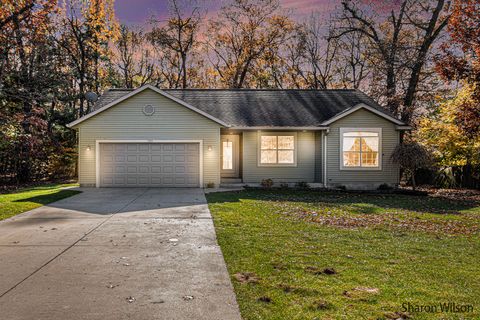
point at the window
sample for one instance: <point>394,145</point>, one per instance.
<point>360,148</point>
<point>227,155</point>
<point>277,149</point>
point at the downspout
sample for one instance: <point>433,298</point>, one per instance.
<point>321,158</point>
<point>325,157</point>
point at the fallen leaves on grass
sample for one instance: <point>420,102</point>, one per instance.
<point>320,305</point>
<point>329,271</point>
<point>246,277</point>
<point>392,219</point>
<point>318,271</point>
<point>456,194</point>
<point>397,315</point>
<point>361,292</point>
<point>298,290</point>
<point>265,299</point>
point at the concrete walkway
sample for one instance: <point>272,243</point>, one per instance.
<point>115,254</point>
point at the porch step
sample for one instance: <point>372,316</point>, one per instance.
<point>236,186</point>
<point>230,180</point>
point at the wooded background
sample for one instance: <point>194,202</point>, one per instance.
<point>418,58</point>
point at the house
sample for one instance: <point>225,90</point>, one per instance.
<point>194,137</point>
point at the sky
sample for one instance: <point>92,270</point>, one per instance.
<point>137,12</point>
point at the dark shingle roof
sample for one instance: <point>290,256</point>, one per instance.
<point>264,107</point>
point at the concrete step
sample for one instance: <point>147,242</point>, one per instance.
<point>232,185</point>
<point>230,180</point>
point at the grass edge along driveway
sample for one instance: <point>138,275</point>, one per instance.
<point>280,245</point>
<point>26,199</point>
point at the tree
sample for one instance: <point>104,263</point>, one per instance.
<point>132,58</point>
<point>445,135</point>
<point>15,10</point>
<point>244,32</point>
<point>411,156</point>
<point>353,61</point>
<point>85,31</point>
<point>460,61</point>
<point>402,42</point>
<point>178,38</point>
<point>32,80</point>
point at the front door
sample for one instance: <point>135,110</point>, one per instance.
<point>230,148</point>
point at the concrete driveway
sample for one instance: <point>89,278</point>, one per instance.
<point>115,254</point>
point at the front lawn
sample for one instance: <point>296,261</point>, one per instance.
<point>30,198</point>
<point>329,255</point>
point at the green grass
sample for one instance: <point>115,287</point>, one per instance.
<point>420,250</point>
<point>30,198</point>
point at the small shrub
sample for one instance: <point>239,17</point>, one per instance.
<point>210,185</point>
<point>384,187</point>
<point>342,187</point>
<point>284,186</point>
<point>302,185</point>
<point>411,156</point>
<point>267,183</point>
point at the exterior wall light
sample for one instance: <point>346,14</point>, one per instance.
<point>209,148</point>
<point>88,148</point>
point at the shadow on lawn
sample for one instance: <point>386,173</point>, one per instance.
<point>363,203</point>
<point>49,198</point>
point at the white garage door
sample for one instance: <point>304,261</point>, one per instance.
<point>149,165</point>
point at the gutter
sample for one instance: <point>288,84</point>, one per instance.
<point>280,128</point>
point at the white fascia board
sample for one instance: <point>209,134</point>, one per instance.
<point>364,106</point>
<point>136,91</point>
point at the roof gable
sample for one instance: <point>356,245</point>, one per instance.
<point>130,94</point>
<point>362,106</point>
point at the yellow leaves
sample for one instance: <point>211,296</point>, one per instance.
<point>441,132</point>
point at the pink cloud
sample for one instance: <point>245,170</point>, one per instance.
<point>139,11</point>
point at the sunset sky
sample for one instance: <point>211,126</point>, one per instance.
<point>139,11</point>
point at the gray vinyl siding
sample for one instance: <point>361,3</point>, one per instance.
<point>304,171</point>
<point>126,121</point>
<point>390,138</point>
<point>318,157</point>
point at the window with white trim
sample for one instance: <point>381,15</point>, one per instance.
<point>277,149</point>
<point>360,148</point>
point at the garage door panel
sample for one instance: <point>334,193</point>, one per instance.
<point>179,147</point>
<point>143,147</point>
<point>119,169</point>
<point>132,169</point>
<point>143,169</point>
<point>166,147</point>
<point>155,169</point>
<point>179,169</point>
<point>120,147</point>
<point>180,158</point>
<point>143,180</point>
<point>149,165</point>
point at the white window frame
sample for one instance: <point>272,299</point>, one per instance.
<point>259,149</point>
<point>380,155</point>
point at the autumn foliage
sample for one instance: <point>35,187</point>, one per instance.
<point>460,61</point>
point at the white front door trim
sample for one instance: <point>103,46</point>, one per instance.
<point>97,153</point>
